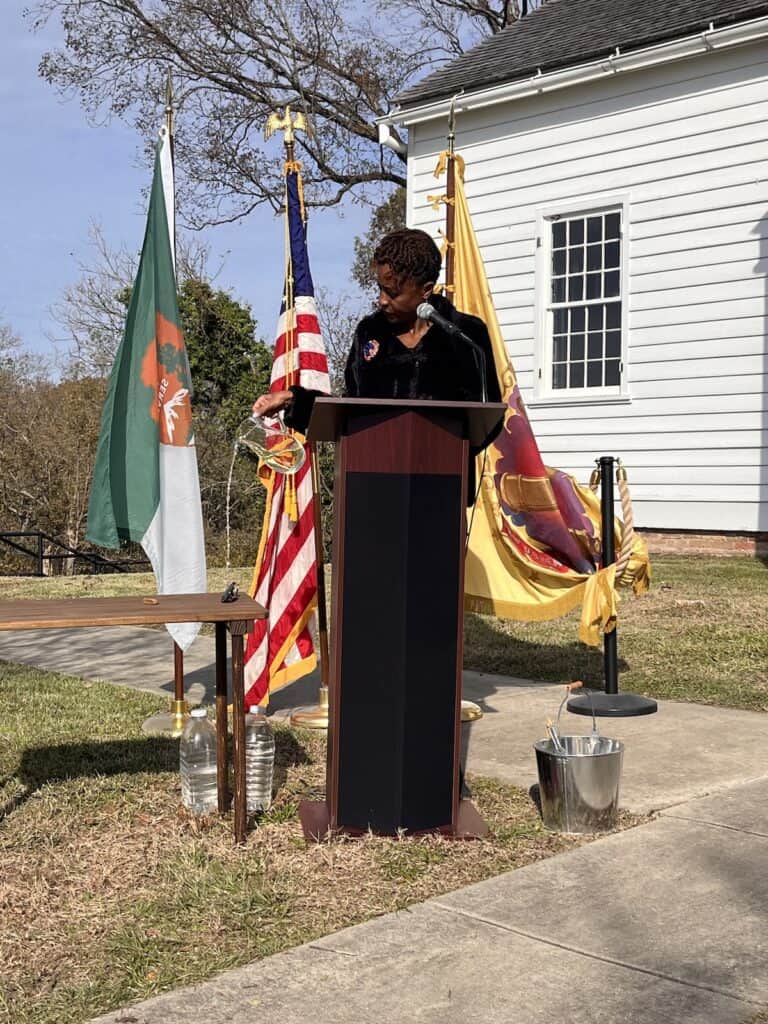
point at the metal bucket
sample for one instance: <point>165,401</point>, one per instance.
<point>579,786</point>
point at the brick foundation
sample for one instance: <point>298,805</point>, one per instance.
<point>662,542</point>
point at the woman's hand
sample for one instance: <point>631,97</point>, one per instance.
<point>268,405</point>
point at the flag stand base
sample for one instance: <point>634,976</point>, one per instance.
<point>314,717</point>
<point>168,723</point>
<point>317,717</point>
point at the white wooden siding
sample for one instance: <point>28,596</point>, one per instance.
<point>688,146</point>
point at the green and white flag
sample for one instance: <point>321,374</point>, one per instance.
<point>145,483</point>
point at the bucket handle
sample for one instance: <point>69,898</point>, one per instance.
<point>569,688</point>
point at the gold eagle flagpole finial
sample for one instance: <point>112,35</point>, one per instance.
<point>288,123</point>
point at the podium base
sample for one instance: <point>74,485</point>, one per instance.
<point>316,823</point>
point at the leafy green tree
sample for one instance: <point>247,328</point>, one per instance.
<point>230,367</point>
<point>387,216</point>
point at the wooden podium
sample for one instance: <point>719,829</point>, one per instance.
<point>400,498</point>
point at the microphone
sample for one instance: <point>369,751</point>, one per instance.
<point>427,312</point>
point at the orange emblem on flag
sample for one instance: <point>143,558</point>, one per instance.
<point>164,370</point>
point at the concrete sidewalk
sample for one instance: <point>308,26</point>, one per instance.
<point>664,923</point>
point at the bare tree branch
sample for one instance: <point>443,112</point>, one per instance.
<point>235,61</point>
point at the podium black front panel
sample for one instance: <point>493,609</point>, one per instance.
<point>401,598</point>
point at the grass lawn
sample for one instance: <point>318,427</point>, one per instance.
<point>700,634</point>
<point>110,892</point>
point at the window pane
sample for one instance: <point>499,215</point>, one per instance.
<point>576,260</point>
<point>613,344</point>
<point>611,283</point>
<point>575,232</point>
<point>612,254</point>
<point>594,375</point>
<point>595,346</point>
<point>594,229</point>
<point>586,338</point>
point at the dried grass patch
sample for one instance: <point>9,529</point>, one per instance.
<point>110,892</point>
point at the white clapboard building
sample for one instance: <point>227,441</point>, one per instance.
<point>617,175</point>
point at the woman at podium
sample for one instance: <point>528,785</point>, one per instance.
<point>396,353</point>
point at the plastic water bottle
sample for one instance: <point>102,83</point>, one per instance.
<point>259,760</point>
<point>197,761</point>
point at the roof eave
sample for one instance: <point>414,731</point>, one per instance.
<point>676,49</point>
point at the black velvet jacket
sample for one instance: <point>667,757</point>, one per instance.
<point>440,367</point>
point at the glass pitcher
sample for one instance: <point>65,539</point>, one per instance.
<point>270,441</point>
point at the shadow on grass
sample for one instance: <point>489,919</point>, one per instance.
<point>489,650</point>
<point>289,753</point>
<point>150,754</point>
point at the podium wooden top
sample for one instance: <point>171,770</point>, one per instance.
<point>329,414</point>
<point>70,612</point>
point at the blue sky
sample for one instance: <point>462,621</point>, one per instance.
<point>59,174</point>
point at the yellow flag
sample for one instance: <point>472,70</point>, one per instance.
<point>534,548</point>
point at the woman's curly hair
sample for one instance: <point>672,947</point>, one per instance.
<point>409,253</point>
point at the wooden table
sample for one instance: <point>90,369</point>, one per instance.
<point>237,617</point>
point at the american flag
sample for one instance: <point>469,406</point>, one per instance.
<point>281,648</point>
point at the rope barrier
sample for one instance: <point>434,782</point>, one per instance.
<point>627,515</point>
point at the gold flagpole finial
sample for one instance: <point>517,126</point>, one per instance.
<point>169,125</point>
<point>288,123</point>
<point>452,123</point>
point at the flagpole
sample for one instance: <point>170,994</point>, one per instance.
<point>312,717</point>
<point>470,711</point>
<point>171,722</point>
<point>179,705</point>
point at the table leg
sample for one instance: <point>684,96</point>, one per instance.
<point>222,760</point>
<point>238,734</point>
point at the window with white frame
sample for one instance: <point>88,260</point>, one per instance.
<point>584,303</point>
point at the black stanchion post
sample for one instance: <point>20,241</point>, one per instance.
<point>611,703</point>
<point>610,640</point>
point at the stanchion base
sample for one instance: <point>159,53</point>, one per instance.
<point>168,723</point>
<point>612,705</point>
<point>470,712</point>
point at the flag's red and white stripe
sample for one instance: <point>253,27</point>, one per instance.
<point>281,648</point>
<point>306,362</point>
